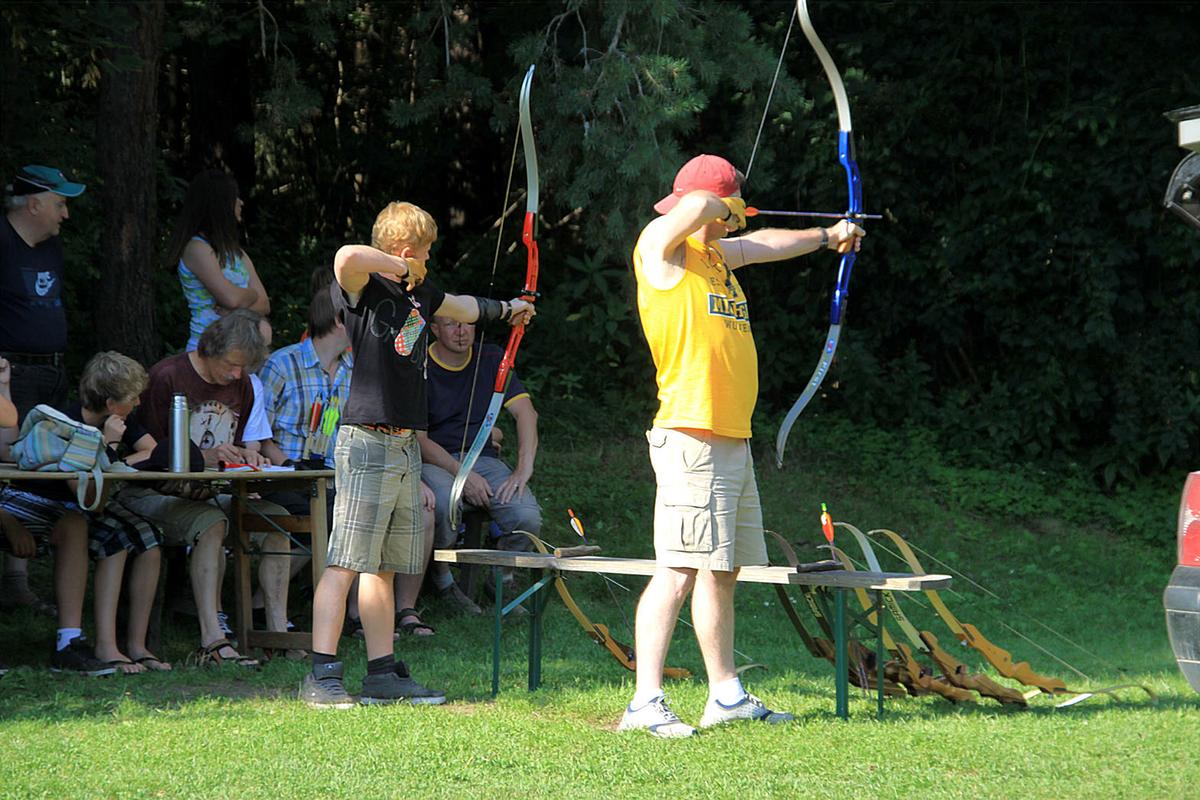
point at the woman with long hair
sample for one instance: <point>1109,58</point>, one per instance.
<point>216,274</point>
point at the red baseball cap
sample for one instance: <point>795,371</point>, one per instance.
<point>703,172</point>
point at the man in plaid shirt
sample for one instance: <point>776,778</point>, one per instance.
<point>296,377</point>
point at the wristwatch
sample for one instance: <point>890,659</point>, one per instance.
<point>824,239</point>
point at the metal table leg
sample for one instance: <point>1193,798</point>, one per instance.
<point>839,645</point>
<point>499,619</point>
<point>879,655</point>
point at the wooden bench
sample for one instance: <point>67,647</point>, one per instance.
<point>837,581</point>
<point>242,523</point>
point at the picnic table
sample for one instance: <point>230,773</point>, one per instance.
<point>241,484</point>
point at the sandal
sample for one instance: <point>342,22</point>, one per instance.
<point>153,664</point>
<point>121,663</point>
<point>211,655</point>
<point>353,627</point>
<point>411,628</point>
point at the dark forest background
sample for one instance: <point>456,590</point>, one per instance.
<point>1026,297</point>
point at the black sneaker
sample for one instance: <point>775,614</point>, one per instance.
<point>322,687</point>
<point>79,657</point>
<point>398,686</point>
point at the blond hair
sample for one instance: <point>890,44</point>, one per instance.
<point>110,375</point>
<point>402,224</point>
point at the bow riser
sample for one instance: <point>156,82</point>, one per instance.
<point>529,294</point>
<point>841,294</point>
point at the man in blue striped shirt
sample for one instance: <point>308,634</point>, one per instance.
<point>299,376</point>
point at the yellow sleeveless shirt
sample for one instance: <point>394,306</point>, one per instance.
<point>699,336</point>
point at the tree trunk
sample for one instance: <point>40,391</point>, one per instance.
<point>127,164</point>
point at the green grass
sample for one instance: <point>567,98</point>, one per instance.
<point>1052,551</point>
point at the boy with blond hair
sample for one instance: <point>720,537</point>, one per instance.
<point>109,391</point>
<point>47,512</point>
<point>382,292</point>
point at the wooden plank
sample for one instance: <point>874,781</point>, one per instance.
<point>253,523</point>
<point>319,522</point>
<point>894,581</point>
<point>277,640</point>
<point>9,472</point>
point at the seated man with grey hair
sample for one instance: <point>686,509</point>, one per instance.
<point>214,379</point>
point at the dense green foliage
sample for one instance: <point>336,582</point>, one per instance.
<point>1026,297</point>
<point>1046,550</point>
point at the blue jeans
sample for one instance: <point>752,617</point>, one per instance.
<point>521,513</point>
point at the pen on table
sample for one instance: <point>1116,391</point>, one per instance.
<point>222,466</point>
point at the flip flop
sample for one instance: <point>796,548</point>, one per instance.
<point>121,662</point>
<point>149,663</point>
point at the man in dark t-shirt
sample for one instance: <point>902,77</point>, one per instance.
<point>219,395</point>
<point>378,526</point>
<point>33,319</point>
<point>460,388</point>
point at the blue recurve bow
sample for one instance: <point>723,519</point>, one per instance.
<point>841,292</point>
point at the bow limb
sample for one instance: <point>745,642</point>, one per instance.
<point>819,649</point>
<point>917,679</point>
<point>861,666</point>
<point>955,673</point>
<point>999,658</point>
<point>841,292</point>
<point>529,293</point>
<point>968,634</point>
<point>598,632</point>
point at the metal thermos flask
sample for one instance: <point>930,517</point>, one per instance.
<point>180,434</point>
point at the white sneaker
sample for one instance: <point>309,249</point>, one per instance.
<point>657,718</point>
<point>749,707</point>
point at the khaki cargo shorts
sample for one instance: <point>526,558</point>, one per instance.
<point>707,514</point>
<point>182,520</point>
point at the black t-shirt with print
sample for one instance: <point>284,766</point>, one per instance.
<point>389,334</point>
<point>32,316</point>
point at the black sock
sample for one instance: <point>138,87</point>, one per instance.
<point>381,666</point>
<point>321,659</point>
